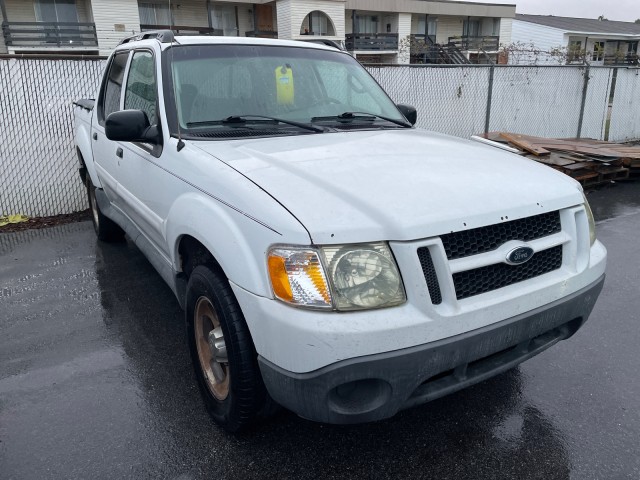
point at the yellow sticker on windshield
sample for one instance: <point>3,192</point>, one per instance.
<point>284,85</point>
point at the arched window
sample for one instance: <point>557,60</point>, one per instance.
<point>317,23</point>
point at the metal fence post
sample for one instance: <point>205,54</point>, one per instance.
<point>584,99</point>
<point>487,119</point>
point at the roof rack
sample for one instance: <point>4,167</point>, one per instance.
<point>163,36</point>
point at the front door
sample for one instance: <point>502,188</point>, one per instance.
<point>144,186</point>
<point>264,18</point>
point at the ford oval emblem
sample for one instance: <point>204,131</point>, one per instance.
<point>519,255</point>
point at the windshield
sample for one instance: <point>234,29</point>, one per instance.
<point>215,82</point>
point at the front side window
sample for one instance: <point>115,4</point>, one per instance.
<point>141,90</point>
<point>213,83</point>
<point>113,88</point>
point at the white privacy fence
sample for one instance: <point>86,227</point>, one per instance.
<point>39,168</point>
<point>38,162</point>
<point>553,101</point>
<point>625,108</point>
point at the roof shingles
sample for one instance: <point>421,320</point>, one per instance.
<point>582,25</point>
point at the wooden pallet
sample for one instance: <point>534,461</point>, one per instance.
<point>591,162</point>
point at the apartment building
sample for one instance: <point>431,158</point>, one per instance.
<point>381,31</point>
<point>581,40</point>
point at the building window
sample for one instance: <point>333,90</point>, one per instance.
<point>432,26</point>
<point>154,14</point>
<point>56,11</point>
<point>496,27</point>
<point>225,19</point>
<point>574,52</point>
<point>598,52</point>
<point>317,23</point>
<point>471,28</point>
<point>367,23</point>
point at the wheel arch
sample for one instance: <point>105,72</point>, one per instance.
<point>85,154</point>
<point>220,237</point>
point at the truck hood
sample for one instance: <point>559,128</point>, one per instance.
<point>394,184</point>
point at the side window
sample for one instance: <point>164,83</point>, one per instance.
<point>113,89</point>
<point>141,91</point>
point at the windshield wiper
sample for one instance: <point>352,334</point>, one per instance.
<point>350,116</point>
<point>242,119</point>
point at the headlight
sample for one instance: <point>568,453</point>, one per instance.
<point>357,277</point>
<point>363,276</point>
<point>590,219</point>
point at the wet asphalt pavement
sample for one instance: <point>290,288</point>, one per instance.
<point>96,382</point>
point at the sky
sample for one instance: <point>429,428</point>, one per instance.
<point>624,10</point>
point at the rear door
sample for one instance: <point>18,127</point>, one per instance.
<point>106,153</point>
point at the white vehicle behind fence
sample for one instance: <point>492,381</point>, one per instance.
<point>329,256</point>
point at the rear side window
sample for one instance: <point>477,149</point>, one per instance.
<point>141,91</point>
<point>113,89</point>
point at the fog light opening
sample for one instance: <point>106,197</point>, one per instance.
<point>359,396</point>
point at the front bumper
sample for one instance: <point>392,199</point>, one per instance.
<point>377,386</point>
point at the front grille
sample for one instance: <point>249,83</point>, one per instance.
<point>430,276</point>
<point>492,277</point>
<point>485,239</point>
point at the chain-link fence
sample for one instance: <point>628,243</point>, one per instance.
<point>38,163</point>
<point>625,105</point>
<point>548,101</point>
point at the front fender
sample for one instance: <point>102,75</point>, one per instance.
<point>238,242</point>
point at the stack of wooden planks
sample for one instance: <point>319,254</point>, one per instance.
<point>591,162</point>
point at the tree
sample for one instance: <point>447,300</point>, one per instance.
<point>638,20</point>
<point>603,18</point>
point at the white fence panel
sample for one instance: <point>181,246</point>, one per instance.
<point>625,111</point>
<point>38,161</point>
<point>449,100</point>
<point>596,107</point>
<point>539,101</point>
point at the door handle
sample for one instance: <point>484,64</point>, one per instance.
<point>119,152</point>
<point>95,136</point>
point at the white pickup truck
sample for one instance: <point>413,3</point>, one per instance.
<point>329,256</point>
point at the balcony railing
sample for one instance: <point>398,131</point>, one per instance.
<point>49,34</point>
<point>372,41</point>
<point>183,29</point>
<point>261,34</point>
<point>629,59</point>
<point>487,43</point>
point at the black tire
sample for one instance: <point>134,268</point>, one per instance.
<point>106,229</point>
<point>233,391</point>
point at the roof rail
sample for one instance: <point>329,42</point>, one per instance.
<point>163,36</point>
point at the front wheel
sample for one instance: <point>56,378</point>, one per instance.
<point>223,354</point>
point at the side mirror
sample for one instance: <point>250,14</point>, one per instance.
<point>131,126</point>
<point>409,113</point>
